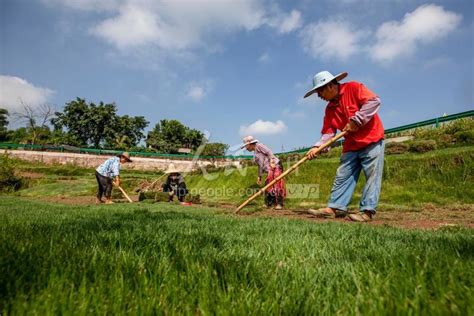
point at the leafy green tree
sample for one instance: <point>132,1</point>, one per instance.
<point>193,139</point>
<point>170,135</point>
<point>214,149</point>
<point>128,132</point>
<point>20,135</point>
<point>3,124</point>
<point>90,124</point>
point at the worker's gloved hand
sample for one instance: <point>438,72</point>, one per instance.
<point>259,180</point>
<point>116,183</point>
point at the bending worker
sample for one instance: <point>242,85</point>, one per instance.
<point>353,108</point>
<point>271,166</point>
<point>108,174</point>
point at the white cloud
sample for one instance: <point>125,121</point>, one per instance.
<point>426,24</point>
<point>198,91</point>
<point>179,25</point>
<point>264,58</point>
<point>174,25</point>
<point>286,23</point>
<point>331,39</point>
<point>14,91</point>
<point>134,26</point>
<point>261,127</point>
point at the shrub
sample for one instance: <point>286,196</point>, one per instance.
<point>396,148</point>
<point>445,140</point>
<point>422,146</point>
<point>465,137</point>
<point>9,181</point>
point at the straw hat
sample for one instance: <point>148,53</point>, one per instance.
<point>171,169</point>
<point>322,78</point>
<point>126,155</point>
<point>247,140</point>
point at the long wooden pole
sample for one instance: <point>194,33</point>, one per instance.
<point>153,183</point>
<point>125,194</point>
<point>296,165</point>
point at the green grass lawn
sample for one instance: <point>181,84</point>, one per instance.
<point>165,259</point>
<point>442,177</point>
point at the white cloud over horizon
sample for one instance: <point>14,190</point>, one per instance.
<point>261,127</point>
<point>424,25</point>
<point>15,91</point>
<point>339,39</point>
<point>331,39</point>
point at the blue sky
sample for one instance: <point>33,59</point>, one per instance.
<point>237,67</point>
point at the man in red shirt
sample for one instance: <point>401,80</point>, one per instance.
<point>352,108</point>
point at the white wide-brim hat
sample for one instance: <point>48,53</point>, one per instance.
<point>322,78</point>
<point>172,169</point>
<point>247,140</point>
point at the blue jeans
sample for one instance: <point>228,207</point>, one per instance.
<point>370,160</point>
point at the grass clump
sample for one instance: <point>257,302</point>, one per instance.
<point>394,148</point>
<point>422,146</point>
<point>458,132</point>
<point>9,180</point>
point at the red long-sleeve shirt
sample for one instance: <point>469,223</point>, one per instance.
<point>352,97</point>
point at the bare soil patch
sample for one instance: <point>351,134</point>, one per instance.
<point>427,217</point>
<point>31,175</point>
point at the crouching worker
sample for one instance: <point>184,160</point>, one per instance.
<point>271,166</point>
<point>352,108</point>
<point>108,174</point>
<point>174,184</point>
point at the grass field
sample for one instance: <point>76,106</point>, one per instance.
<point>441,177</point>
<point>165,259</point>
<point>65,258</point>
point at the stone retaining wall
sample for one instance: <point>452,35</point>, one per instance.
<point>139,163</point>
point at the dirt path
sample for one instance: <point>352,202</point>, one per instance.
<point>428,217</point>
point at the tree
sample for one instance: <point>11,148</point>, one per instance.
<point>128,132</point>
<point>214,149</point>
<point>193,139</point>
<point>3,124</point>
<point>36,119</point>
<point>170,135</point>
<point>91,124</point>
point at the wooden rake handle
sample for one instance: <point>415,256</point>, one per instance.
<point>125,194</point>
<point>292,168</point>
